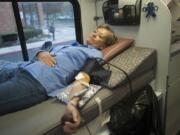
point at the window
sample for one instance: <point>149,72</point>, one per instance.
<point>29,24</point>
<point>9,41</point>
<point>44,21</point>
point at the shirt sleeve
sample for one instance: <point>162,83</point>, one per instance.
<point>45,47</point>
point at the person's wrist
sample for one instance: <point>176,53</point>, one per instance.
<point>39,53</point>
<point>72,103</point>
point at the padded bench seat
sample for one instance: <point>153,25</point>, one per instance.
<point>44,118</point>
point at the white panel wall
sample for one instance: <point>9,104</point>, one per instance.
<point>156,33</point>
<point>87,15</point>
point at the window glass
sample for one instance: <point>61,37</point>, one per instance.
<point>44,21</point>
<point>9,42</point>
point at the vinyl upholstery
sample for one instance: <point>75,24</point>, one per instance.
<point>44,118</point>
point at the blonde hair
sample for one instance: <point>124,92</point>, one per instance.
<point>110,39</point>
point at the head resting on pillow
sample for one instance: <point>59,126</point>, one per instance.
<point>102,37</point>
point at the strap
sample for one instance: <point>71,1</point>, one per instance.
<point>98,101</point>
<point>104,116</point>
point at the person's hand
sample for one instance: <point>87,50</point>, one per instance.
<point>72,125</point>
<point>46,58</point>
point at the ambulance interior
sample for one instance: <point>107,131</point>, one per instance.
<point>152,57</point>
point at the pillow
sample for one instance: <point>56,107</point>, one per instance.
<point>113,50</point>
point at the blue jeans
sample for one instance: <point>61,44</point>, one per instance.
<point>19,90</point>
<point>8,69</point>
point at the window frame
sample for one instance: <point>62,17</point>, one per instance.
<point>77,21</point>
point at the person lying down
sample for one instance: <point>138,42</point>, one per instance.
<point>53,68</point>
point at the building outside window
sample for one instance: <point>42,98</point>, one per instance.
<point>42,21</point>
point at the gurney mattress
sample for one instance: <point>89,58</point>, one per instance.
<point>45,117</point>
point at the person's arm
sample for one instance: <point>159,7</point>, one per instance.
<point>71,118</point>
<point>46,58</point>
<point>44,54</point>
